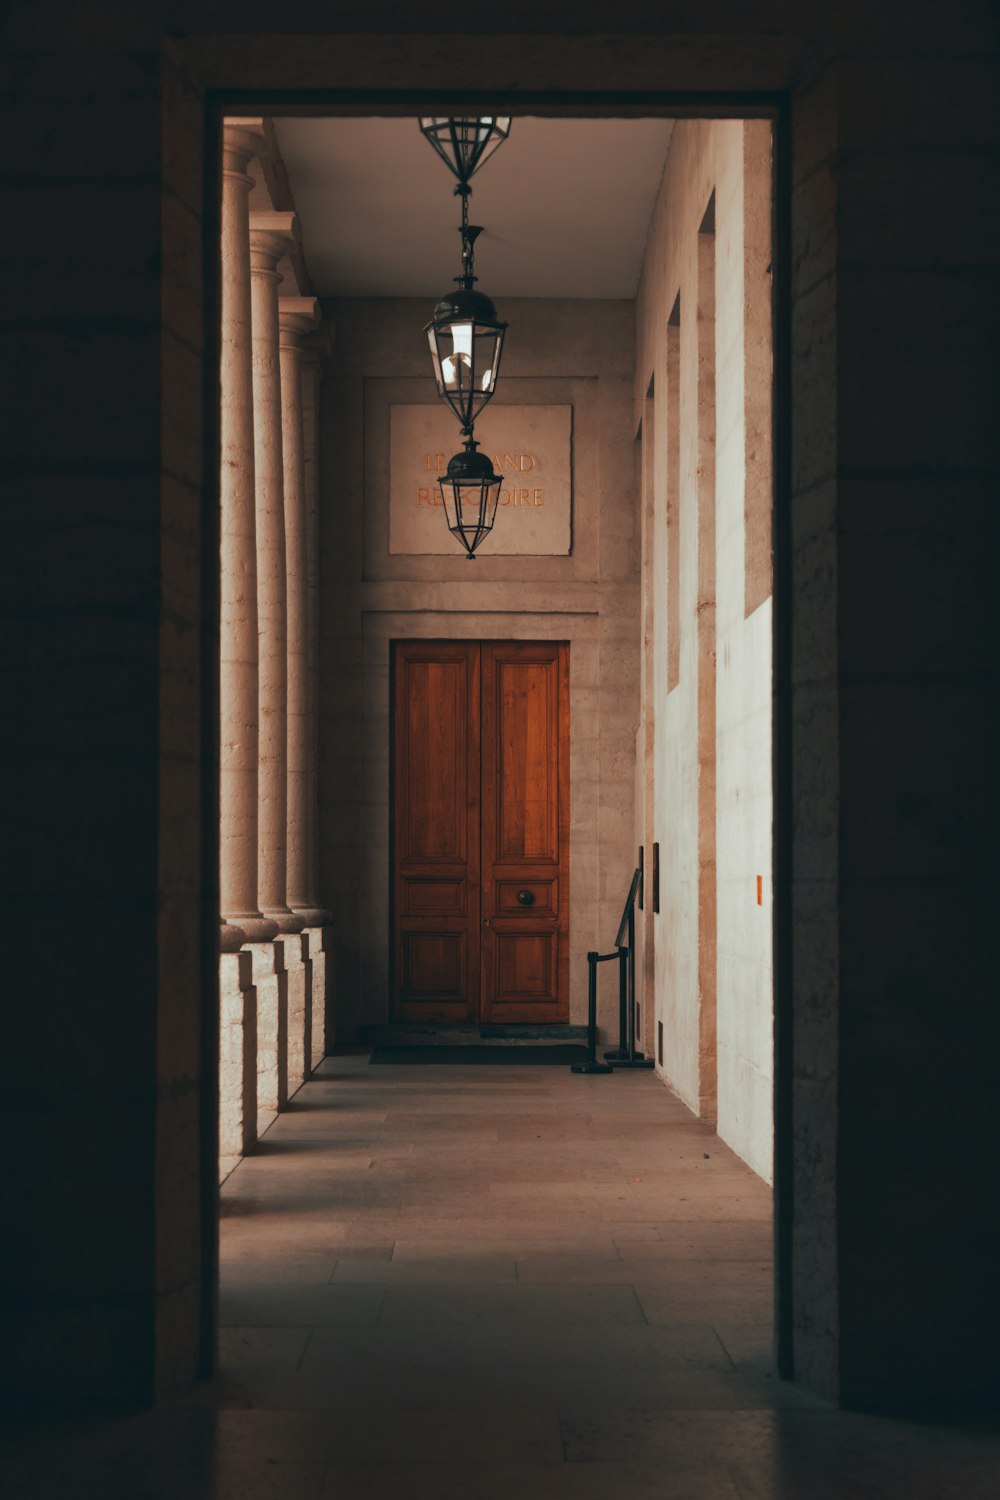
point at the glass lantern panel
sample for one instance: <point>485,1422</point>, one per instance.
<point>466,359</point>
<point>486,362</point>
<point>487,149</point>
<point>492,497</point>
<point>456,365</point>
<point>436,360</point>
<point>448,500</point>
<point>470,506</point>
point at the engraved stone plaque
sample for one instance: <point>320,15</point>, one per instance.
<point>530,448</point>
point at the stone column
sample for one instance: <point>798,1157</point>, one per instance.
<point>271,235</point>
<point>297,317</point>
<point>316,350</point>
<point>321,952</point>
<point>241,916</point>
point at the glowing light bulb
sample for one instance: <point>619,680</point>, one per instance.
<point>452,367</point>
<point>461,337</point>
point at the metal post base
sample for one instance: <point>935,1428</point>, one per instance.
<point>637,1060</point>
<point>591,1067</point>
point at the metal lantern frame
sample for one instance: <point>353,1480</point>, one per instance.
<point>466,343</point>
<point>464,143</point>
<point>470,491</point>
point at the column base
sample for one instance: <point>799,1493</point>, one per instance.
<point>312,916</point>
<point>231,939</point>
<point>258,929</point>
<point>285,919</point>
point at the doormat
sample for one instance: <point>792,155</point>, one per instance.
<point>560,1055</point>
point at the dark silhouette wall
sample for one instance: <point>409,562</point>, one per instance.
<point>887,520</point>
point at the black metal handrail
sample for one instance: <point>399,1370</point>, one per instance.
<point>627,1055</point>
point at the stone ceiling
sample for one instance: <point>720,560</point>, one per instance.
<point>565,204</point>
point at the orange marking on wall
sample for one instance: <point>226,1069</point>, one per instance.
<point>760,890</point>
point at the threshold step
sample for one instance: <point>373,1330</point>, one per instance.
<point>420,1034</point>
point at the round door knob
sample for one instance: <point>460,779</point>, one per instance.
<point>526,898</point>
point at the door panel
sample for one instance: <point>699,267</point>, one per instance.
<point>481,831</point>
<point>436,821</point>
<point>434,965</point>
<point>526,965</point>
<point>544,897</point>
<point>526,706</point>
<point>525,831</point>
<point>444,898</point>
<point>436,798</point>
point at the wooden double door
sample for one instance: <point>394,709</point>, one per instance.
<point>480,831</point>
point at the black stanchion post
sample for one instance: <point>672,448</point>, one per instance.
<point>623,985</point>
<point>620,1054</point>
<point>631,984</point>
<point>625,942</point>
<point>630,1058</point>
<point>592,1065</point>
<point>623,1011</point>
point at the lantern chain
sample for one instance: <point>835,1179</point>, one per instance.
<point>469,233</point>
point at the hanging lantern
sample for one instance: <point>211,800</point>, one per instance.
<point>470,491</point>
<point>466,337</point>
<point>463,145</point>
<point>466,342</point>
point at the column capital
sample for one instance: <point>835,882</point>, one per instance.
<point>297,316</point>
<point>272,235</point>
<point>231,939</point>
<point>245,137</point>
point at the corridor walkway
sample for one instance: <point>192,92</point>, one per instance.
<point>509,1283</point>
<point>496,1283</point>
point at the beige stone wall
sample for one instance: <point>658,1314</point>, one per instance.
<point>709,731</point>
<point>557,353</point>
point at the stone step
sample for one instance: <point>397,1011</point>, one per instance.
<point>422,1034</point>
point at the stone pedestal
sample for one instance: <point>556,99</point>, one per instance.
<point>322,956</point>
<point>237,1059</point>
<point>298,968</point>
<point>271,982</point>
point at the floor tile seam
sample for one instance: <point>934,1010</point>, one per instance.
<point>305,1347</point>
<point>725,1350</point>
<point>312,1325</point>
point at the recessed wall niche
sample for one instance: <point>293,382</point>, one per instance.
<point>529,447</point>
<point>548,426</point>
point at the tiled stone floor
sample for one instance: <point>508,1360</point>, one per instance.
<point>472,1283</point>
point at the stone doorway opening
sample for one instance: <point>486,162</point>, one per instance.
<point>883,629</point>
<point>656,567</point>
